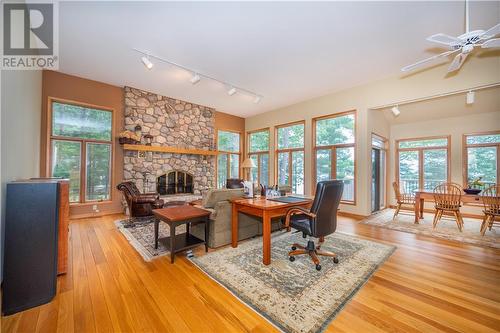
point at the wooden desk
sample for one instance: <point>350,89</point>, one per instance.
<point>421,196</point>
<point>175,216</point>
<point>265,209</point>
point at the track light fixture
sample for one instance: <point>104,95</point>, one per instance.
<point>395,111</point>
<point>195,78</point>
<point>470,97</point>
<point>231,91</point>
<point>147,62</point>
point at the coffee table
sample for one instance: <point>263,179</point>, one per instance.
<point>176,216</point>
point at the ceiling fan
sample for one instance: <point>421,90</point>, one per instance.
<point>464,44</point>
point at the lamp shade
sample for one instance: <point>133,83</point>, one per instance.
<point>248,163</point>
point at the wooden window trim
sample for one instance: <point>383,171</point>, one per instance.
<point>334,153</point>
<point>465,156</point>
<point>277,151</point>
<point>259,153</point>
<point>228,153</point>
<point>83,153</point>
<point>386,151</point>
<point>420,151</point>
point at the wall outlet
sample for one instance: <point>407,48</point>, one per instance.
<point>95,209</point>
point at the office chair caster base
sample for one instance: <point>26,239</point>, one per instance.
<point>294,248</point>
<point>335,260</point>
<point>291,258</point>
<point>318,267</point>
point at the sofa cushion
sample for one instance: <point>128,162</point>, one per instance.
<point>215,195</point>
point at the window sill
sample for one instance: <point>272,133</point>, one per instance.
<point>352,203</point>
<point>89,203</point>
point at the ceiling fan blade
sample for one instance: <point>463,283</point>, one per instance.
<point>444,39</point>
<point>492,32</point>
<point>422,62</point>
<point>457,62</point>
<point>491,43</point>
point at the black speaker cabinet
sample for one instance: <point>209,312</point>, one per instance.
<point>30,257</point>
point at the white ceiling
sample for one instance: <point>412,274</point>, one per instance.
<point>286,51</point>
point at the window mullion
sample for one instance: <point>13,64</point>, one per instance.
<point>421,169</point>
<point>83,171</point>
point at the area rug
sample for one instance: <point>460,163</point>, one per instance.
<point>141,235</point>
<point>446,228</point>
<point>294,296</point>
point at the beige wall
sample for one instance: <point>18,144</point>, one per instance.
<point>455,127</point>
<point>476,72</point>
<point>21,93</point>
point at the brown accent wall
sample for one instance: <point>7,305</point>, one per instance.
<point>68,87</point>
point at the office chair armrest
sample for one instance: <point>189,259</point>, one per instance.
<point>297,210</point>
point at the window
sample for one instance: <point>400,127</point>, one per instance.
<point>481,158</point>
<point>258,151</point>
<point>81,150</point>
<point>379,172</point>
<point>334,151</point>
<point>290,156</point>
<point>228,159</point>
<point>422,163</point>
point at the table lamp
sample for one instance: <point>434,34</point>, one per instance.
<point>248,164</point>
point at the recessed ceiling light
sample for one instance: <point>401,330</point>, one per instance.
<point>395,111</point>
<point>257,99</point>
<point>147,62</point>
<point>231,91</point>
<point>195,78</point>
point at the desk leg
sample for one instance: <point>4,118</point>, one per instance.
<point>234,226</point>
<point>206,233</point>
<point>172,243</point>
<point>266,238</point>
<point>421,205</point>
<point>157,225</point>
<point>417,208</point>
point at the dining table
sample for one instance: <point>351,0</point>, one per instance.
<point>428,195</point>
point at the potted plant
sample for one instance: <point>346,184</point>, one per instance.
<point>475,186</point>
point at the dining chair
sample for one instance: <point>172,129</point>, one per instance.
<point>448,198</point>
<point>403,199</point>
<point>491,201</point>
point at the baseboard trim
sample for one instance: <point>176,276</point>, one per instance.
<point>352,215</point>
<point>89,215</point>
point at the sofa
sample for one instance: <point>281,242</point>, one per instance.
<point>217,202</point>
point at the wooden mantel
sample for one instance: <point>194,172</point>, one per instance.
<point>173,150</point>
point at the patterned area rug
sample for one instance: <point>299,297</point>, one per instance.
<point>294,296</point>
<point>446,228</point>
<point>141,235</point>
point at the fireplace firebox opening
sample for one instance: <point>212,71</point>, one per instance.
<point>175,182</point>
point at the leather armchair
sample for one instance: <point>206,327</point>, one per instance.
<point>318,222</point>
<point>233,183</point>
<point>139,204</point>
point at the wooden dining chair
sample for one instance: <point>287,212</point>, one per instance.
<point>403,199</point>
<point>448,198</point>
<point>491,201</point>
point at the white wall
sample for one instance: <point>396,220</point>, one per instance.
<point>21,93</point>
<point>476,72</point>
<point>456,127</point>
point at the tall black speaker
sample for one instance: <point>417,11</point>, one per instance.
<point>30,257</point>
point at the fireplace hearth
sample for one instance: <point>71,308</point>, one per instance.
<point>175,182</point>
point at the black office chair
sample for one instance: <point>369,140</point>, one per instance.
<point>319,221</point>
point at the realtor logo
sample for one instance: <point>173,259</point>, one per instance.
<point>29,36</point>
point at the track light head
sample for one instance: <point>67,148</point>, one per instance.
<point>470,97</point>
<point>145,60</point>
<point>257,99</point>
<point>195,78</point>
<point>231,91</point>
<point>395,111</point>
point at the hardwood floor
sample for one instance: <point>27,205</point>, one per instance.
<point>428,285</point>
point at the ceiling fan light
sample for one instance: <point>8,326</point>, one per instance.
<point>145,60</point>
<point>195,79</point>
<point>231,91</point>
<point>395,111</point>
<point>470,97</point>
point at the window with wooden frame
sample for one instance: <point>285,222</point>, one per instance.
<point>481,158</point>
<point>258,151</point>
<point>334,142</point>
<point>379,171</point>
<point>422,163</point>
<point>228,158</point>
<point>289,157</point>
<point>81,149</point>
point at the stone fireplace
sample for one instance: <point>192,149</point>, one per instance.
<point>175,182</point>
<point>172,123</point>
